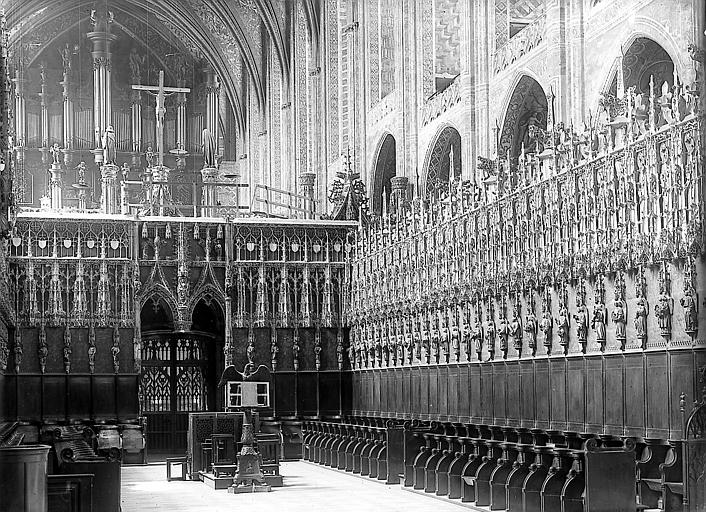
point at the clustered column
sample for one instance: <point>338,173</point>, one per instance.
<point>102,109</point>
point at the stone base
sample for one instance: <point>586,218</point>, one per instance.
<point>242,489</point>
<point>216,482</point>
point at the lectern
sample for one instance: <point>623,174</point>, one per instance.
<point>245,391</point>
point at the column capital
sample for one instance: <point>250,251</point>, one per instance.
<point>307,179</point>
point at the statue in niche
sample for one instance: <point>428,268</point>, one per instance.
<point>477,336</point>
<point>91,349</point>
<point>530,133</point>
<point>503,332</point>
<point>115,349</point>
<point>531,329</point>
<point>691,310</point>
<point>581,318</point>
<point>619,319</point>
<point>490,335</point>
<point>109,151</point>
<point>641,312</point>
<point>600,316</point>
<point>663,311</point>
<point>562,323</point>
<point>546,325</point>
<point>516,330</point>
<point>67,350</point>
<point>209,148</point>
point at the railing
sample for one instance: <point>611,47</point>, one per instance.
<point>274,202</point>
<point>441,102</point>
<point>521,44</point>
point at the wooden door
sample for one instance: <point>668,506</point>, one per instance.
<point>176,379</point>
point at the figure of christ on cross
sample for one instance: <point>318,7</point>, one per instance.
<point>160,93</point>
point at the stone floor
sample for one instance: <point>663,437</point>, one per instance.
<point>307,488</point>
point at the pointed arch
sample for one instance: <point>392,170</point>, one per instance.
<point>526,106</point>
<point>385,168</point>
<point>437,166</point>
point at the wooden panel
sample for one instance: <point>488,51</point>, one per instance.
<point>424,392</point>
<point>29,396</point>
<point>486,390</point>
<point>681,370</point>
<point>476,400</point>
<point>398,388</point>
<point>104,397</point>
<point>575,395</point>
<point>54,397</point>
<point>407,390</point>
<point>329,395</point>
<point>557,372</point>
<point>453,393</point>
<point>464,393</point>
<point>541,385</point>
<point>79,403</point>
<point>499,387</point>
<point>527,405</point>
<point>614,394</point>
<point>70,493</point>
<point>376,405</point>
<point>634,395</point>
<point>346,392</point>
<point>513,407</point>
<point>594,394</point>
<point>384,378</point>
<point>128,406</point>
<point>306,393</point>
<point>417,392</point>
<point>285,393</point>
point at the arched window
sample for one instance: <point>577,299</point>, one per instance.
<point>445,151</point>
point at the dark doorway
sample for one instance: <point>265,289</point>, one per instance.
<point>180,370</point>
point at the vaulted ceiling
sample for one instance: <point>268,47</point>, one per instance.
<point>238,38</point>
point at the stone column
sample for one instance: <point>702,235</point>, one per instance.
<point>136,114</point>
<point>576,53</point>
<point>20,124</point>
<point>410,88</point>
<point>43,113</point>
<point>102,39</point>
<point>307,181</point>
<point>56,186</point>
<point>208,200</point>
<point>109,189</point>
<point>399,191</point>
<point>212,102</point>
<point>68,112</point>
<point>556,58</point>
<point>181,118</point>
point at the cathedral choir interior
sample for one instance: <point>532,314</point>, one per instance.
<point>385,255</point>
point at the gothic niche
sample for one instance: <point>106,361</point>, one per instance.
<point>384,172</point>
<point>446,149</point>
<point>526,112</point>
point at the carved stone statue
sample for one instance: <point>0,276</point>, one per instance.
<point>581,318</point>
<point>619,319</point>
<point>600,317</point>
<point>115,350</point>
<point>109,151</point>
<point>562,325</point>
<point>55,154</point>
<point>641,312</point>
<point>477,336</point>
<point>545,325</point>
<point>209,148</point>
<point>663,311</point>
<point>150,156</point>
<point>531,329</point>
<point>691,309</point>
<point>516,331</point>
<point>503,333</point>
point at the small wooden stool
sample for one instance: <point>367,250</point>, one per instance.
<point>181,461</point>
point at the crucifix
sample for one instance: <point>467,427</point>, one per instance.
<point>160,93</point>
